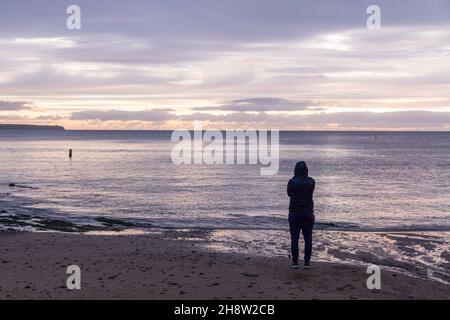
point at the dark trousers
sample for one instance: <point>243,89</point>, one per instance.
<point>301,222</point>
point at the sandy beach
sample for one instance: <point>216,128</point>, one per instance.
<point>162,266</point>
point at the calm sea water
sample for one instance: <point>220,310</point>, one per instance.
<point>365,181</point>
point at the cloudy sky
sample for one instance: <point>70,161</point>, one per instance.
<point>281,64</point>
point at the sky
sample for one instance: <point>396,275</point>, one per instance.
<point>276,64</point>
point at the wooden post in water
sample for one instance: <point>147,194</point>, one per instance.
<point>70,153</point>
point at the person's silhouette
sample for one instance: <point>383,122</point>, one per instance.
<point>300,189</point>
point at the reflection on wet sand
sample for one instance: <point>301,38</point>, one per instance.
<point>421,254</point>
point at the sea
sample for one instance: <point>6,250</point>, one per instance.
<point>366,182</point>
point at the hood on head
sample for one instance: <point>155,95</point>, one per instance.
<point>301,169</point>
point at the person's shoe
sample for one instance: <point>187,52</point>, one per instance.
<point>294,265</point>
<point>307,265</point>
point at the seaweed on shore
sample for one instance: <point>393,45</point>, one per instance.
<point>64,226</point>
<point>114,222</point>
<point>21,221</point>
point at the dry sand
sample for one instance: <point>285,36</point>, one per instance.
<point>151,266</point>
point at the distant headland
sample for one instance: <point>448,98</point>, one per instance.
<point>29,127</point>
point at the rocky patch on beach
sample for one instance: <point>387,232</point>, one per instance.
<point>24,216</point>
<point>35,223</point>
<point>23,222</point>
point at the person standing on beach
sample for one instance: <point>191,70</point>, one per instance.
<point>300,189</point>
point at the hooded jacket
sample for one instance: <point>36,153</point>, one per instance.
<point>300,189</point>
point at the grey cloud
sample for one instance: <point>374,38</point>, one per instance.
<point>12,117</point>
<point>202,48</point>
<point>122,115</point>
<point>49,117</point>
<point>80,83</point>
<point>174,32</point>
<point>209,20</point>
<point>261,104</point>
<point>393,120</point>
<point>341,120</point>
<point>174,20</point>
<point>13,105</point>
<point>400,119</point>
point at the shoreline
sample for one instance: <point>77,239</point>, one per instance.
<point>11,221</point>
<point>421,254</point>
<point>173,265</point>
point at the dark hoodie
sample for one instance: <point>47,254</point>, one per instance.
<point>300,189</point>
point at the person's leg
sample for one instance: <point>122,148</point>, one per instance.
<point>307,231</point>
<point>295,234</point>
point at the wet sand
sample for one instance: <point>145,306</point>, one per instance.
<point>157,266</point>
